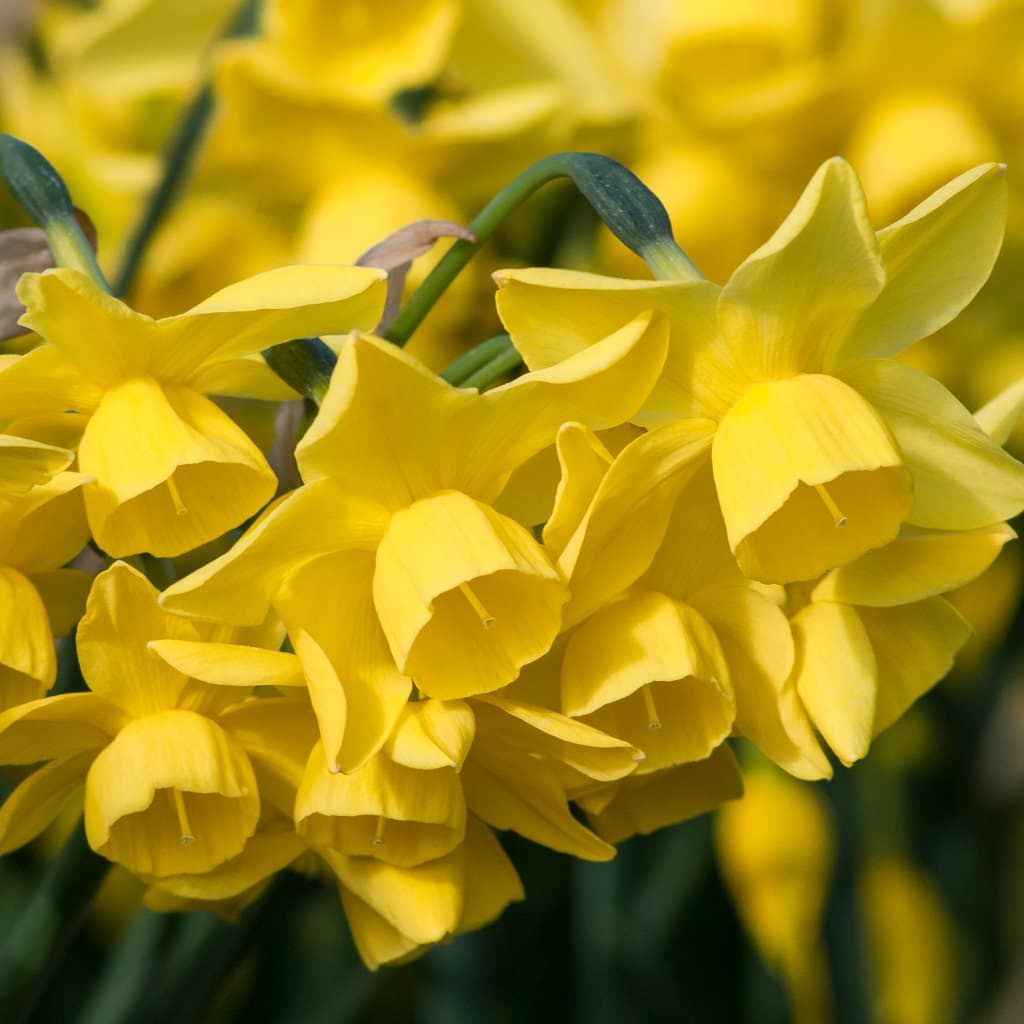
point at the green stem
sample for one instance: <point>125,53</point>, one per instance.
<point>503,363</point>
<point>471,361</point>
<point>483,225</point>
<point>626,205</point>
<point>179,159</point>
<point>34,947</point>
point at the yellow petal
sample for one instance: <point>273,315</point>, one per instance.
<point>540,731</point>
<point>171,470</point>
<point>376,940</point>
<point>791,303</point>
<point>248,377</point>
<point>45,528</point>
<point>552,314</point>
<point>157,765</point>
<point>808,477</point>
<point>626,521</point>
<point>230,664</point>
<point>239,586</point>
<point>27,653</point>
<point>836,676</point>
<point>275,306</point>
<point>936,258</point>
<point>651,802</point>
<point>43,381</point>
<point>38,799</point>
<point>57,727</point>
<point>400,815</point>
<point>381,429</point>
<point>122,617</point>
<point>758,644</point>
<point>999,417</point>
<point>356,689</point>
<point>25,463</point>
<point>918,564</point>
<point>465,596</point>
<point>270,850</point>
<point>424,903</point>
<point>915,645</point>
<point>64,592</point>
<point>278,734</point>
<point>106,341</point>
<point>962,479</point>
<point>601,386</point>
<point>432,734</point>
<point>509,789</point>
<point>583,462</point>
<point>491,881</point>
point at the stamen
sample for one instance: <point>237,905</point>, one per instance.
<point>184,825</point>
<point>486,618</point>
<point>653,721</point>
<point>179,505</point>
<point>833,509</point>
<point>378,836</point>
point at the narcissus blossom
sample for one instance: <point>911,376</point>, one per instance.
<point>168,469</point>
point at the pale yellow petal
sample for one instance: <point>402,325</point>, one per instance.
<point>230,664</point>
<point>25,463</point>
<point>583,462</point>
<point>38,799</point>
<point>432,734</point>
<point>1000,416</point>
<point>836,676</point>
<point>26,643</point>
<point>57,727</point>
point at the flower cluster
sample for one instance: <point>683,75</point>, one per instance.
<point>544,606</point>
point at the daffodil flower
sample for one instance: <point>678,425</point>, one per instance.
<point>24,463</point>
<point>824,445</point>
<point>169,470</point>
<point>41,530</point>
<point>391,564</point>
<point>169,787</point>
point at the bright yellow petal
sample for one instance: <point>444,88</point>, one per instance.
<point>122,617</point>
<point>626,521</point>
<point>171,470</point>
<point>936,258</point>
<point>758,645</point>
<point>45,528</point>
<point>400,815</point>
<point>652,802</point>
<point>247,377</point>
<point>172,794</point>
<point>230,664</point>
<point>962,479</point>
<point>106,341</point>
<point>836,676</point>
<point>276,306</point>
<point>27,654</point>
<point>43,381</point>
<point>37,800</point>
<point>791,303</point>
<point>999,417</point>
<point>465,596</point>
<point>808,477</point>
<point>432,734</point>
<point>380,430</point>
<point>356,689</point>
<point>376,940</point>
<point>25,463</point>
<point>540,731</point>
<point>509,789</point>
<point>918,564</point>
<point>240,585</point>
<point>57,727</point>
<point>424,903</point>
<point>915,645</point>
<point>601,386</point>
<point>583,462</point>
<point>491,880</point>
<point>553,314</point>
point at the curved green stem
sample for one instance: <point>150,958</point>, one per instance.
<point>179,159</point>
<point>33,948</point>
<point>478,356</point>
<point>494,369</point>
<point>483,225</point>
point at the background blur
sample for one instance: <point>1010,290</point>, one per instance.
<point>895,892</point>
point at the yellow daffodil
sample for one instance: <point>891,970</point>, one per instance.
<point>391,564</point>
<point>169,470</point>
<point>25,463</point>
<point>824,445</point>
<point>41,530</point>
<point>169,788</point>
